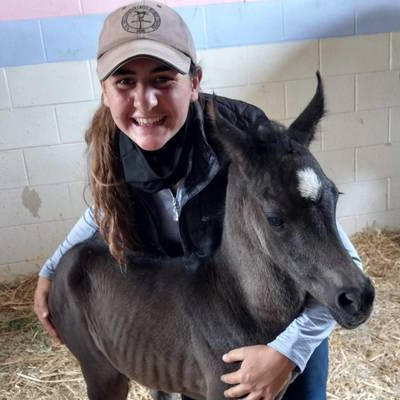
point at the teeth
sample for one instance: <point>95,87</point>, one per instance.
<point>148,121</point>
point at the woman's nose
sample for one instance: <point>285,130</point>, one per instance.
<point>145,98</point>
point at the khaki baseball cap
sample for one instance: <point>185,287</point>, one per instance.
<point>145,28</point>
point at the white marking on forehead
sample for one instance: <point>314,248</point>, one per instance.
<point>309,184</point>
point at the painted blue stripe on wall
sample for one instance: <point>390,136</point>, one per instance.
<point>20,43</point>
<point>309,19</point>
<point>244,23</point>
<point>71,38</point>
<point>377,16</point>
<point>213,26</point>
<point>195,19</point>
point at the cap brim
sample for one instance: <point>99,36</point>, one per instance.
<point>115,58</point>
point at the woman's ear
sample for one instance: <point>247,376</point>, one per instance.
<point>196,85</point>
<point>104,96</point>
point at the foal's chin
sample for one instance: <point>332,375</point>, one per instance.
<point>350,305</point>
<point>349,321</point>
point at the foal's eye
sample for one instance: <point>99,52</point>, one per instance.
<point>275,221</point>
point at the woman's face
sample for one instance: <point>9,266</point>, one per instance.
<point>149,101</point>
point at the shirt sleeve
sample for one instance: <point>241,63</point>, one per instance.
<point>82,230</point>
<point>299,340</point>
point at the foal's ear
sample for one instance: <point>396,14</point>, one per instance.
<point>234,142</point>
<point>302,130</point>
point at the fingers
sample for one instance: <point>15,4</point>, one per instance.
<point>49,328</point>
<point>43,316</point>
<point>238,391</point>
<point>41,308</point>
<point>242,390</point>
<point>257,396</point>
<point>234,355</point>
<point>232,378</point>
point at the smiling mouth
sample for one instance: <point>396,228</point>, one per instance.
<point>147,122</point>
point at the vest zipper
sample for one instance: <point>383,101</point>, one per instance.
<point>174,207</point>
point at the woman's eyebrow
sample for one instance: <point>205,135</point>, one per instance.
<point>127,71</point>
<point>124,71</point>
<point>162,68</point>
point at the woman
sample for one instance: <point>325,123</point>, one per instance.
<point>154,174</point>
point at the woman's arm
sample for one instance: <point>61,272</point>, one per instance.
<point>299,340</point>
<point>83,229</point>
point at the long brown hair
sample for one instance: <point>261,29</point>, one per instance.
<point>110,196</point>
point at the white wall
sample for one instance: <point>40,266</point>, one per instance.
<point>45,109</point>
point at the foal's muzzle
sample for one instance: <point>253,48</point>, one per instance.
<point>354,305</point>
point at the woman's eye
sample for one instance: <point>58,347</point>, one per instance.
<point>162,79</point>
<point>275,221</point>
<point>125,82</point>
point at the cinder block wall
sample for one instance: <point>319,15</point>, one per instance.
<point>265,53</point>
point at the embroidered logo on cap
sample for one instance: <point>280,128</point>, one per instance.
<point>141,19</point>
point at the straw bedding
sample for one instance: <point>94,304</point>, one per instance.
<point>364,364</point>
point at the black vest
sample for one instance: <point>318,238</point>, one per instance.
<point>201,210</point>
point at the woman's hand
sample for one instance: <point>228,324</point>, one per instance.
<point>263,374</point>
<point>41,308</point>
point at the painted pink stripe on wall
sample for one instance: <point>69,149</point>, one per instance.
<point>97,7</point>
<point>30,9</point>
<point>179,3</point>
<point>102,7</point>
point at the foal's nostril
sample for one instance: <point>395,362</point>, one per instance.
<point>349,302</point>
<point>345,299</point>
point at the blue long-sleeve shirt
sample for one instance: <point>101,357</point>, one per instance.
<point>297,342</point>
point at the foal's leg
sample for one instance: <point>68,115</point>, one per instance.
<point>104,382</point>
<point>157,395</point>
